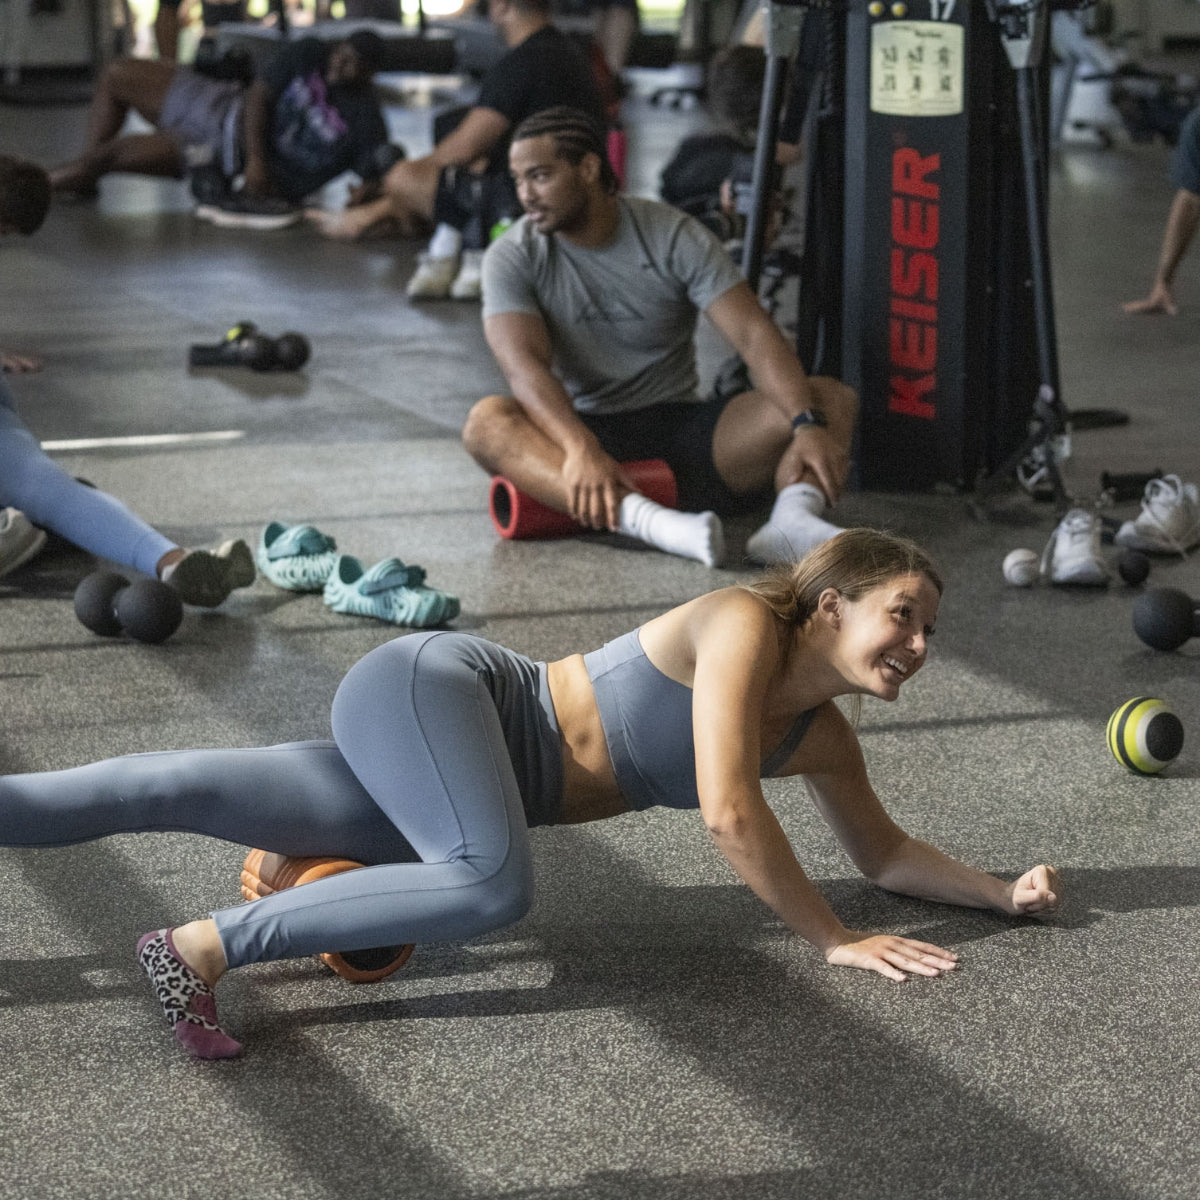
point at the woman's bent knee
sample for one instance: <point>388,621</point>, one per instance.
<point>496,907</point>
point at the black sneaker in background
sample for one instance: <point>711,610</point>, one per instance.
<point>237,210</point>
<point>207,183</point>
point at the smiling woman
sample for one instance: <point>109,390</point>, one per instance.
<point>896,580</point>
<point>447,748</point>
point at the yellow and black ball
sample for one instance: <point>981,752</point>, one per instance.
<point>1145,735</point>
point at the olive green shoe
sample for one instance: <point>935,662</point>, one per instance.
<point>206,577</point>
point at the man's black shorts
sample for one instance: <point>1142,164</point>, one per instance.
<point>681,435</point>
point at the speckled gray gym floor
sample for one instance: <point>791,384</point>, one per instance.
<point>650,1030</point>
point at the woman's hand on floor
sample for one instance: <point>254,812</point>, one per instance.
<point>892,956</point>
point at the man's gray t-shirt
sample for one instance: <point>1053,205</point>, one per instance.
<point>622,317</point>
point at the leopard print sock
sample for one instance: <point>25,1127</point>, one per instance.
<point>188,1002</point>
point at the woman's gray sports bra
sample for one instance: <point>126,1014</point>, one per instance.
<point>647,721</point>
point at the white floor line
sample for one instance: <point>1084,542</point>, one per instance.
<point>146,439</point>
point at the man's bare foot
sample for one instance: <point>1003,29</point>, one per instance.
<point>348,225</point>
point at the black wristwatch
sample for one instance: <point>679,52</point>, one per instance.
<point>810,416</point>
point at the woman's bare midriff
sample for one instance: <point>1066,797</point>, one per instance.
<point>590,790</point>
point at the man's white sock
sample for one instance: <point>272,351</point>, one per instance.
<point>445,243</point>
<point>690,535</point>
<point>795,526</point>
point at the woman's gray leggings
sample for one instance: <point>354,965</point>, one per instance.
<point>52,499</point>
<point>419,763</point>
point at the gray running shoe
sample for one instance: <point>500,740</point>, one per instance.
<point>1169,522</point>
<point>1072,555</point>
<point>20,540</point>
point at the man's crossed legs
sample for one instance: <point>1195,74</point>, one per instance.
<point>728,456</point>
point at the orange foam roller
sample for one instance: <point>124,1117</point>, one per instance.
<point>264,873</point>
<point>518,516</point>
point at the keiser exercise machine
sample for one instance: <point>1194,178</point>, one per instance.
<point>925,283</point>
<point>1024,28</point>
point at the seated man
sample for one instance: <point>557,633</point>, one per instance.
<point>542,68</point>
<point>1182,220</point>
<point>589,305</point>
<point>310,115</point>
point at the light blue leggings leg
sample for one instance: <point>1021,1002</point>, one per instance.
<point>419,729</point>
<point>420,763</point>
<point>52,499</point>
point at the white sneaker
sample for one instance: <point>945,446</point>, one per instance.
<point>19,539</point>
<point>432,278</point>
<point>468,283</point>
<point>1169,522</point>
<point>1072,554</point>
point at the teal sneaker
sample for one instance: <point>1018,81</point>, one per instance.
<point>390,591</point>
<point>297,558</point>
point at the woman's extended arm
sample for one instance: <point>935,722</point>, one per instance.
<point>736,652</point>
<point>890,857</point>
<point>919,869</point>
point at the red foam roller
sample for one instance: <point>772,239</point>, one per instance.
<point>518,516</point>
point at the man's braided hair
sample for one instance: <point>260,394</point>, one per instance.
<point>575,134</point>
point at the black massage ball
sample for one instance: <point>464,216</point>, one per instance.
<point>291,351</point>
<point>94,602</point>
<point>1165,618</point>
<point>1133,567</point>
<point>148,610</point>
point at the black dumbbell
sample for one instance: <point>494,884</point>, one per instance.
<point>242,346</point>
<point>1165,618</point>
<point>1133,567</point>
<point>291,351</point>
<point>147,610</point>
<point>245,346</point>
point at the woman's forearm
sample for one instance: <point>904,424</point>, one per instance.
<point>918,869</point>
<point>760,853</point>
